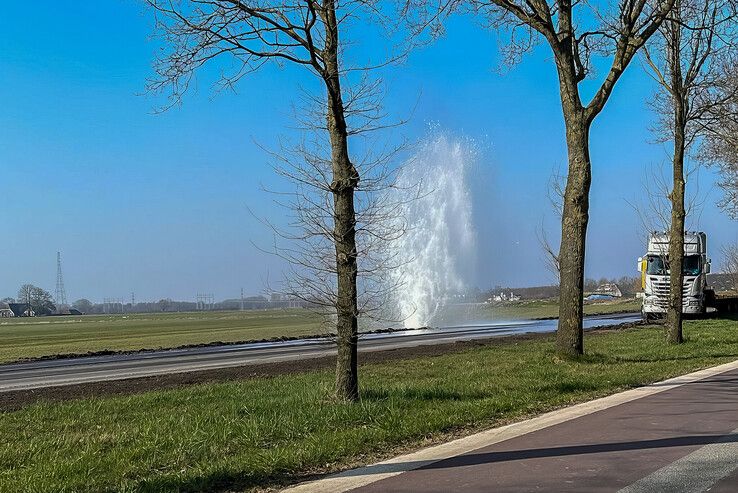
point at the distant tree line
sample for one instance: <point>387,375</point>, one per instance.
<point>168,305</point>
<point>42,303</point>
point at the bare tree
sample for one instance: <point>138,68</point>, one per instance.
<point>723,151</point>
<point>556,185</point>
<point>720,144</point>
<point>550,255</point>
<point>577,33</point>
<point>730,263</point>
<point>307,242</point>
<point>686,59</point>
<point>306,33</point>
<point>652,204</point>
<point>38,300</point>
<point>25,294</point>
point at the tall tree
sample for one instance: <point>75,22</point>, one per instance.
<point>720,145</point>
<point>308,34</point>
<point>42,302</point>
<point>25,294</point>
<point>38,300</point>
<point>687,58</point>
<point>577,33</point>
<point>722,150</point>
<point>84,305</point>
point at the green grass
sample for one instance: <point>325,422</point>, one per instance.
<point>268,432</point>
<point>33,337</point>
<point>550,308</point>
<point>30,338</point>
<point>532,309</point>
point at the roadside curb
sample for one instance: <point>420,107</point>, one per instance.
<point>356,478</point>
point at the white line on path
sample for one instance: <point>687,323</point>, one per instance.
<point>694,473</point>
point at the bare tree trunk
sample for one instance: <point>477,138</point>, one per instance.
<point>679,93</point>
<point>676,233</point>
<point>569,338</point>
<point>345,181</point>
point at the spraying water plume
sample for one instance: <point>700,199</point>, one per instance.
<point>437,251</point>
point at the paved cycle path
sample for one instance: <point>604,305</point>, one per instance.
<point>648,445</point>
<point>679,437</point>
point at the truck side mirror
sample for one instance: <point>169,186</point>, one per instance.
<point>707,268</point>
<point>640,264</point>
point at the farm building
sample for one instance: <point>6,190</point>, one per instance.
<point>5,311</point>
<point>21,309</point>
<point>609,289</point>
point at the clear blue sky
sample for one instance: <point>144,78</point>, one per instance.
<point>158,204</point>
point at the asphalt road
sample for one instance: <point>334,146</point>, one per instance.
<point>51,373</point>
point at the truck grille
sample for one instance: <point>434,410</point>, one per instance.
<point>661,289</point>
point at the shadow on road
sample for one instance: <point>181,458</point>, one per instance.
<point>480,458</point>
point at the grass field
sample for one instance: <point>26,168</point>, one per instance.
<point>267,432</point>
<point>35,337</point>
<point>533,309</point>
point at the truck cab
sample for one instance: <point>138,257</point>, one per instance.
<point>654,269</point>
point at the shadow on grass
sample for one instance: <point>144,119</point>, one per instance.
<point>659,359</point>
<point>422,394</point>
<point>676,358</point>
<point>219,481</point>
<point>569,387</point>
<point>599,358</point>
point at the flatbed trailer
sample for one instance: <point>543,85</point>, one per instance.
<point>721,303</point>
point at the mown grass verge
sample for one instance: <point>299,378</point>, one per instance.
<point>537,309</point>
<point>269,432</point>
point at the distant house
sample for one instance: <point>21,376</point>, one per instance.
<point>504,297</point>
<point>21,309</point>
<point>607,289</point>
<point>5,311</point>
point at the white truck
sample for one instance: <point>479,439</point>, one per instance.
<point>654,269</point>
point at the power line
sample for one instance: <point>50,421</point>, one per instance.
<point>61,295</point>
<point>205,301</point>
<point>113,305</point>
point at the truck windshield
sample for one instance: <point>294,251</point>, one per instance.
<point>659,266</point>
<point>691,265</point>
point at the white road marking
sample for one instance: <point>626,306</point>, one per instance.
<point>694,473</point>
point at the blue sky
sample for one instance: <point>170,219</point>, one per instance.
<point>158,203</point>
